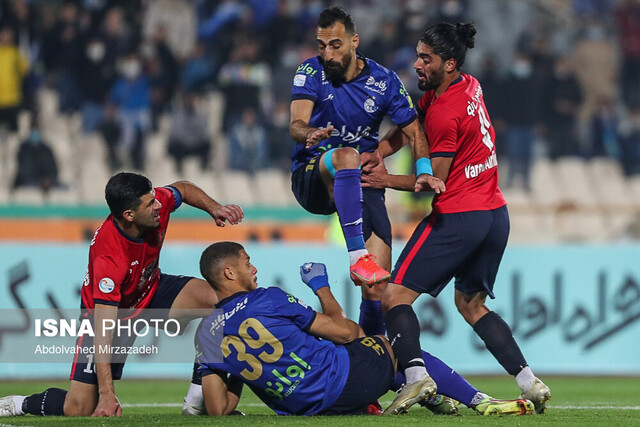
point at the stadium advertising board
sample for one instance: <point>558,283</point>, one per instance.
<point>573,310</point>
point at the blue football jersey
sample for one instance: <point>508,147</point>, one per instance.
<point>260,337</point>
<point>354,108</point>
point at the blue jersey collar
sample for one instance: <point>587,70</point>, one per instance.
<point>229,298</point>
<point>366,70</point>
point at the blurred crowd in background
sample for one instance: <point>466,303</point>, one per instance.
<point>560,77</point>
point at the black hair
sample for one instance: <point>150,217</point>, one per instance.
<point>212,258</point>
<point>334,14</point>
<point>123,192</point>
<point>450,41</point>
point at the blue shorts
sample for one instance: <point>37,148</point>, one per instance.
<point>310,191</point>
<point>467,246</point>
<point>371,373</point>
<point>83,367</point>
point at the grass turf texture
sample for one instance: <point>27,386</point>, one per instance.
<point>577,401</point>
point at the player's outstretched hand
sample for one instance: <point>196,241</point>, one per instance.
<point>231,213</point>
<point>314,275</point>
<point>108,406</point>
<point>426,182</point>
<point>318,135</point>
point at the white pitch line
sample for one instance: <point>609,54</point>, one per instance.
<point>255,405</point>
<point>625,408</point>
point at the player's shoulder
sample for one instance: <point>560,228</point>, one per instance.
<point>104,235</point>
<point>310,67</point>
<point>380,72</point>
<point>377,68</point>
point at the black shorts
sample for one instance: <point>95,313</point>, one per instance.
<point>83,367</point>
<point>467,246</point>
<point>371,373</point>
<point>310,191</point>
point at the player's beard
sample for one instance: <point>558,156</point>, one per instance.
<point>433,82</point>
<point>337,71</point>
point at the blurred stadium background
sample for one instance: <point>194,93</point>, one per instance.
<point>91,87</point>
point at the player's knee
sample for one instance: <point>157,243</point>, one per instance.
<point>345,158</point>
<point>387,302</point>
<point>373,293</point>
<point>470,312</point>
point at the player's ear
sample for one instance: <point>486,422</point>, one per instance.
<point>228,273</point>
<point>450,65</point>
<point>355,41</point>
<point>128,215</point>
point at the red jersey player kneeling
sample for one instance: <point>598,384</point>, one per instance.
<point>124,276</point>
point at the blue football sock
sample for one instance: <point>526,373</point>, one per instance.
<point>347,195</point>
<point>371,319</point>
<point>449,382</point>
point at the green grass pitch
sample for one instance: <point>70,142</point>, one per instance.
<point>577,401</point>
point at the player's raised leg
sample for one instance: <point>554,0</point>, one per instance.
<point>340,172</point>
<point>371,317</point>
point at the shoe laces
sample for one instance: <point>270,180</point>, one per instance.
<point>368,257</point>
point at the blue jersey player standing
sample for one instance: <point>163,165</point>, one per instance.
<point>339,100</point>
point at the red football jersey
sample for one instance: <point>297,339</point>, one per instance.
<point>458,126</point>
<point>122,271</point>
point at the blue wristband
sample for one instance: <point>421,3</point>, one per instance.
<point>318,282</point>
<point>423,165</point>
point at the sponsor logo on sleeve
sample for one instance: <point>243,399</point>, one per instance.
<point>299,80</point>
<point>106,285</point>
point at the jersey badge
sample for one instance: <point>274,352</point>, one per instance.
<point>106,285</point>
<point>299,80</point>
<point>370,105</point>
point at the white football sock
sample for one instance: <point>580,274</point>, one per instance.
<point>194,395</point>
<point>415,373</point>
<point>17,401</point>
<point>525,379</point>
<point>355,255</point>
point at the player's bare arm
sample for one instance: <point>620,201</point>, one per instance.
<point>220,397</point>
<point>379,177</point>
<point>419,149</point>
<point>108,404</point>
<point>332,324</point>
<point>299,128</point>
<point>194,196</point>
<point>392,141</point>
<point>441,167</point>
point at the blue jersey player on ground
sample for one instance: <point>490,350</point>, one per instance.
<point>269,340</point>
<point>338,102</point>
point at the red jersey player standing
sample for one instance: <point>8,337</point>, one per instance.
<point>124,277</point>
<point>466,234</point>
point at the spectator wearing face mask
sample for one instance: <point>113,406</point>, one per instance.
<point>96,76</point>
<point>37,165</point>
<point>131,95</point>
<point>520,114</point>
<point>189,135</point>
